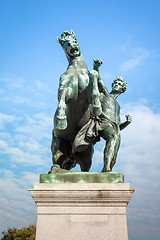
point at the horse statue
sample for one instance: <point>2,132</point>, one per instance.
<point>78,96</point>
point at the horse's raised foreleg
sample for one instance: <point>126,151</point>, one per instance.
<point>67,91</point>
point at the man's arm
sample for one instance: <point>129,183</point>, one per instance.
<point>97,63</point>
<point>126,123</point>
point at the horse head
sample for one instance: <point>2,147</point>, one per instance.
<point>70,45</point>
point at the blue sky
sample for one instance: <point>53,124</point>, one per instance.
<point>126,36</point>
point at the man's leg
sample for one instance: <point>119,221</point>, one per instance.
<point>116,152</point>
<point>112,137</point>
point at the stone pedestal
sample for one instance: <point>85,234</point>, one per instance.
<point>81,211</point>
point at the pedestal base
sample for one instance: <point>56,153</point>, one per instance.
<point>63,176</point>
<point>89,211</point>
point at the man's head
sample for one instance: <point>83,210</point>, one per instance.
<point>119,85</point>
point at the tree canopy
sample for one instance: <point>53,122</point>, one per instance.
<point>24,233</point>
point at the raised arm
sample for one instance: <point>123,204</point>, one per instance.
<point>96,64</point>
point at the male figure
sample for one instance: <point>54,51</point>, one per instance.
<point>109,124</point>
<point>105,119</point>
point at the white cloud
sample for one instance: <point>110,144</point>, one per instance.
<point>20,156</point>
<point>42,86</point>
<point>27,140</point>
<point>6,118</point>
<point>12,80</point>
<point>139,160</point>
<point>19,92</point>
<point>22,100</point>
<point>18,208</point>
<point>143,134</point>
<point>107,76</point>
<point>136,56</point>
<point>37,127</point>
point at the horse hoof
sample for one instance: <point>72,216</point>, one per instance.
<point>53,168</point>
<point>61,123</point>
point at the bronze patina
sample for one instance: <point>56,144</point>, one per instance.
<point>86,112</point>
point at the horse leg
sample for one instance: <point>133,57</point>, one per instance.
<point>55,149</point>
<point>59,153</point>
<point>61,118</point>
<point>67,91</point>
<point>85,158</point>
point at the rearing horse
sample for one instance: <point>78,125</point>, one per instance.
<point>77,90</point>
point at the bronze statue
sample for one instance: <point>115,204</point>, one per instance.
<point>86,111</point>
<point>75,96</point>
<point>107,124</point>
<point>110,124</point>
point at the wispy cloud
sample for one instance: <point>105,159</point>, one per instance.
<point>139,160</point>
<point>16,90</point>
<point>29,141</point>
<point>6,118</point>
<point>107,76</point>
<point>136,56</point>
<point>12,80</point>
<point>40,85</point>
<point>18,207</point>
<point>20,156</point>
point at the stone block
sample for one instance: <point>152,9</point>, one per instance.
<point>79,211</point>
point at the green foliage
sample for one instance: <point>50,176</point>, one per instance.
<point>25,233</point>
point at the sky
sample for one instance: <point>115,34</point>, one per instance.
<point>125,35</point>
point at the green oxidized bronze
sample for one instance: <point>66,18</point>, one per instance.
<point>64,176</point>
<point>86,111</point>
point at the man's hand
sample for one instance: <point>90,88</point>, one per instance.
<point>128,118</point>
<point>127,122</point>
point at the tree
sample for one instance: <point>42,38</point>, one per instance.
<point>24,233</point>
